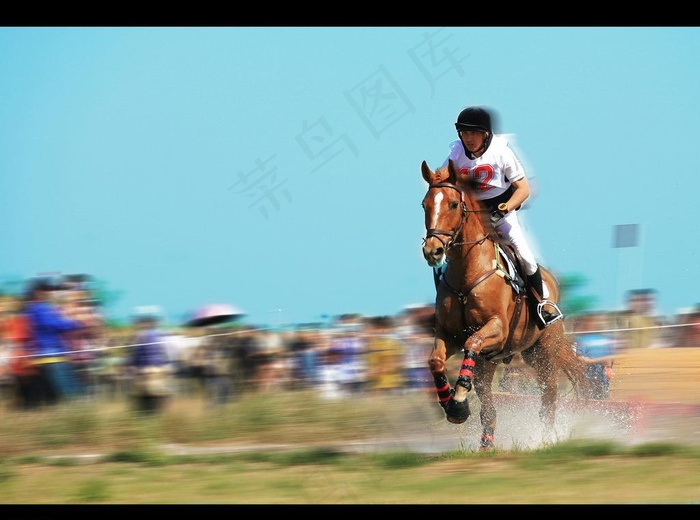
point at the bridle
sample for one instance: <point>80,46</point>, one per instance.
<point>452,235</point>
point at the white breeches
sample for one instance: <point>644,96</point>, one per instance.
<point>509,228</point>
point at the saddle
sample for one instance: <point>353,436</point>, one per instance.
<point>513,268</point>
<point>512,275</point>
<point>510,272</point>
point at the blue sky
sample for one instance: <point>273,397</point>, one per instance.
<point>278,168</point>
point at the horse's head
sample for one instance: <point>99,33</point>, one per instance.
<point>446,206</point>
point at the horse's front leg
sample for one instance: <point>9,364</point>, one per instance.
<point>437,363</point>
<point>489,338</point>
<point>488,341</point>
<point>455,412</point>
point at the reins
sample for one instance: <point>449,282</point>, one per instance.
<point>475,242</point>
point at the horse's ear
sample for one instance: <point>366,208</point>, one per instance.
<point>428,174</point>
<point>452,171</point>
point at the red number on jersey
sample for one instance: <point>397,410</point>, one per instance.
<point>482,174</point>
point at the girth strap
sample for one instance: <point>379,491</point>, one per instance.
<point>514,319</point>
<point>463,295</point>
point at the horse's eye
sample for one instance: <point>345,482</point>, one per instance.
<point>454,205</point>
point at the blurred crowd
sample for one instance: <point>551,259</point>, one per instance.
<point>55,345</point>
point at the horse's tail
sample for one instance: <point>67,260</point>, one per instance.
<point>573,366</point>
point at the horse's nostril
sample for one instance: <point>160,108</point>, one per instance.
<point>438,252</point>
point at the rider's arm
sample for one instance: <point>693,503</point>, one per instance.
<point>520,195</point>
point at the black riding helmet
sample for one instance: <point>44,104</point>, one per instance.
<point>478,119</point>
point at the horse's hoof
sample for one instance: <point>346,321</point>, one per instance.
<point>457,412</point>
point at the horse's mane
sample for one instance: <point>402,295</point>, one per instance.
<point>469,184</point>
<point>469,187</point>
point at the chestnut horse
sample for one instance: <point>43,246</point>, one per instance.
<point>480,311</point>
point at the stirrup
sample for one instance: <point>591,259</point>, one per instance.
<point>550,317</point>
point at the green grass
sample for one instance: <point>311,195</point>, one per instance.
<point>299,459</point>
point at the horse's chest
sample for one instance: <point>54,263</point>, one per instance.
<point>455,316</point>
<point>468,307</point>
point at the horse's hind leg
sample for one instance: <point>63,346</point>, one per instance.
<point>483,379</point>
<point>546,373</point>
<point>548,408</point>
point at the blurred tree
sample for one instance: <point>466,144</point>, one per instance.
<point>106,297</point>
<point>13,285</point>
<point>573,304</point>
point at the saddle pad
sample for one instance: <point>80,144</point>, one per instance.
<point>516,280</point>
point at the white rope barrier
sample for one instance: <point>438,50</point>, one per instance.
<point>256,329</point>
<point>632,329</point>
<point>102,349</point>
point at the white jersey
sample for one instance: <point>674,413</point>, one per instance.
<point>494,171</point>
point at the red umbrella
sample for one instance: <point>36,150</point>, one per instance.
<point>214,314</point>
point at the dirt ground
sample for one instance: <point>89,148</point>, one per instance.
<point>657,375</point>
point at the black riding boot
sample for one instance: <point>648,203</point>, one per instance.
<point>545,316</point>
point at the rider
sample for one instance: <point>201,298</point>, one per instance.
<point>485,158</point>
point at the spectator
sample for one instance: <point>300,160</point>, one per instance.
<point>245,346</point>
<point>218,368</point>
<point>597,347</point>
<point>198,360</point>
<point>688,333</point>
<point>271,369</point>
<point>348,343</point>
<point>149,364</point>
<point>330,374</point>
<point>49,327</point>
<point>77,303</point>
<point>109,371</point>
<point>385,367</point>
<point>302,359</point>
<point>177,345</point>
<point>418,341</point>
<point>22,375</point>
<point>640,320</point>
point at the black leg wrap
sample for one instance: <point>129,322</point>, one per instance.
<point>464,381</point>
<point>442,386</point>
<point>466,371</point>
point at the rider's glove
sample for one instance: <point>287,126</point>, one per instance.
<point>498,213</point>
<point>495,216</point>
